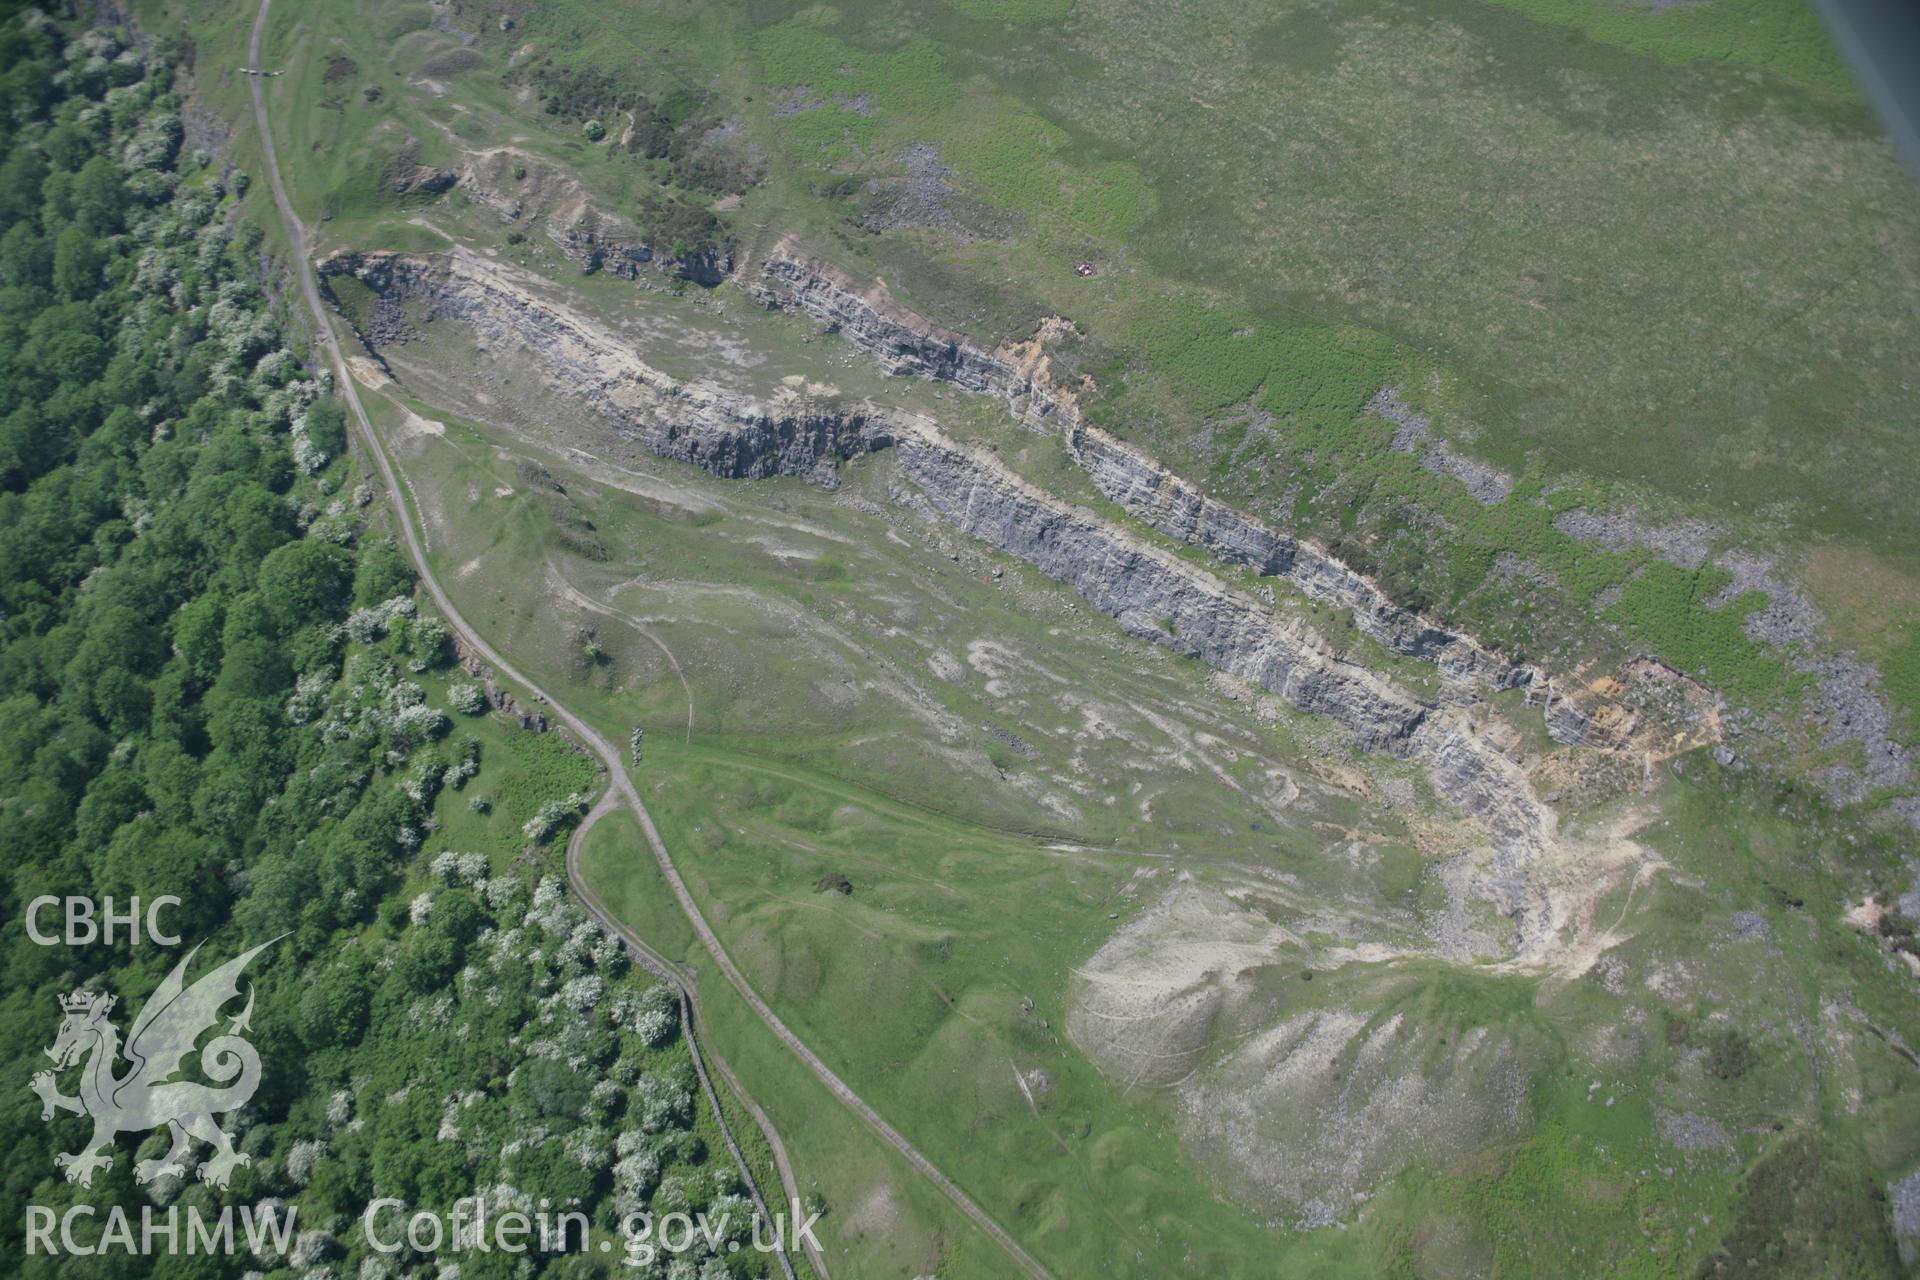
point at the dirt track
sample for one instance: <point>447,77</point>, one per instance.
<point>621,785</point>
<point>668,972</point>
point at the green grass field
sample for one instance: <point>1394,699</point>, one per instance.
<point>1639,256</point>
<point>914,985</point>
<point>1683,267</point>
<point>1635,256</point>
<point>882,1219</point>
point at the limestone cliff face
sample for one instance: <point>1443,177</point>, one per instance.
<point>904,343</point>
<point>1156,496</point>
<point>550,198</point>
<point>1159,597</point>
<point>1151,493</point>
<point>732,436</point>
<point>1152,594</point>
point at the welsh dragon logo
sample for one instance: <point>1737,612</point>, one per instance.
<point>146,1096</point>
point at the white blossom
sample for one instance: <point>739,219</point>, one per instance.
<point>501,893</point>
<point>661,1104</point>
<point>309,696</point>
<point>467,699</point>
<point>152,144</point>
<point>309,1247</point>
<point>422,722</point>
<point>301,1158</point>
<point>369,624</point>
<point>542,825</point>
<point>585,1148</point>
<point>307,455</point>
<point>583,993</point>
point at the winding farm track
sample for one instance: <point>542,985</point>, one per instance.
<point>664,969</point>
<point>621,786</point>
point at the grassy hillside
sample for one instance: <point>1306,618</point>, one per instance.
<point>1635,258</point>
<point>919,909</point>
<point>1652,259</point>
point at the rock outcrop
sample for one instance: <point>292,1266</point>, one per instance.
<point>1153,594</point>
<point>732,436</point>
<point>904,343</point>
<point>552,200</point>
<point>1157,596</point>
<point>1154,495</point>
